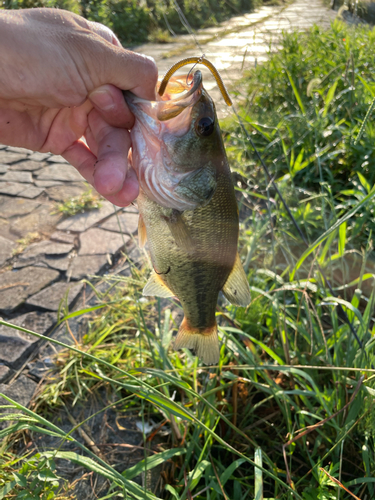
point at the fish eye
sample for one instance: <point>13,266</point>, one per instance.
<point>205,126</point>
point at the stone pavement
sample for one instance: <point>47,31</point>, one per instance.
<point>44,256</point>
<point>239,43</point>
<point>56,253</point>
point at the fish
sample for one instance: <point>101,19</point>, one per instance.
<point>188,209</point>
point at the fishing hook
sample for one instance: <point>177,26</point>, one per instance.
<point>196,60</point>
<point>191,69</point>
<point>167,271</point>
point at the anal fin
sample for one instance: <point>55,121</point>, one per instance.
<point>142,235</point>
<point>156,286</point>
<point>236,288</point>
<point>203,341</point>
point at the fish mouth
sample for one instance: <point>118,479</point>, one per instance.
<point>171,115</point>
<point>179,95</point>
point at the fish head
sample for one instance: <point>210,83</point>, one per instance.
<point>177,149</point>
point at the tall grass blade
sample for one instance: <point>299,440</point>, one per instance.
<point>296,93</point>
<point>258,484</point>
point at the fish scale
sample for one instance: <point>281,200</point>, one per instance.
<point>197,278</point>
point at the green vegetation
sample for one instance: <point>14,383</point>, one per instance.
<point>291,371</point>
<point>86,201</point>
<point>304,110</point>
<point>134,21</point>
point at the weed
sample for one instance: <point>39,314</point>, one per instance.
<point>30,477</point>
<point>86,201</point>
<point>26,241</point>
<point>159,35</point>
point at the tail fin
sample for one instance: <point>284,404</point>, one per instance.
<point>204,341</point>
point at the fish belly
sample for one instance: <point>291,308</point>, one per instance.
<point>197,271</point>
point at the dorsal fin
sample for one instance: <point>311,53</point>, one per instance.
<point>236,288</point>
<point>142,235</point>
<point>156,286</point>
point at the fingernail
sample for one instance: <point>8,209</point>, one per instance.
<point>102,99</point>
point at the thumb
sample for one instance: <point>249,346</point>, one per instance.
<point>132,71</point>
<point>122,68</point>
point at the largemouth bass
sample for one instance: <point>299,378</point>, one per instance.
<point>188,209</point>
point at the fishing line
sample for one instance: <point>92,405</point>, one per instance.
<point>186,24</point>
<point>168,25</point>
<point>215,73</point>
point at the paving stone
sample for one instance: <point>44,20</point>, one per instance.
<point>81,222</point>
<point>51,297</point>
<point>125,223</point>
<point>10,157</point>
<point>6,249</point>
<point>57,159</point>
<point>39,156</point>
<point>66,191</point>
<point>18,206</point>
<point>4,198</point>
<point>5,230</point>
<point>86,265</point>
<point>21,390</point>
<point>4,373</point>
<point>41,220</point>
<point>17,286</point>
<point>12,188</point>
<point>16,346</point>
<point>46,184</point>
<point>36,254</point>
<point>17,176</point>
<point>32,192</point>
<point>28,165</point>
<point>59,172</point>
<point>97,241</point>
<point>63,237</point>
<point>137,256</point>
<point>46,248</point>
<point>59,263</point>
<point>3,168</point>
<point>39,369</point>
<point>34,261</point>
<point>20,150</point>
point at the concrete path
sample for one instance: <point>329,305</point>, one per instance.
<point>43,256</point>
<point>239,43</point>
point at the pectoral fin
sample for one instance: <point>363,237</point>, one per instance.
<point>156,286</point>
<point>180,231</point>
<point>236,288</point>
<point>142,235</point>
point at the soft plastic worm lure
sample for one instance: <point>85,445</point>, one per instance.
<point>196,60</point>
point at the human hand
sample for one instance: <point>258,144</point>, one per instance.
<point>60,81</point>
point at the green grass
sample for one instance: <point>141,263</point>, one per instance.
<point>289,363</point>
<point>79,204</point>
